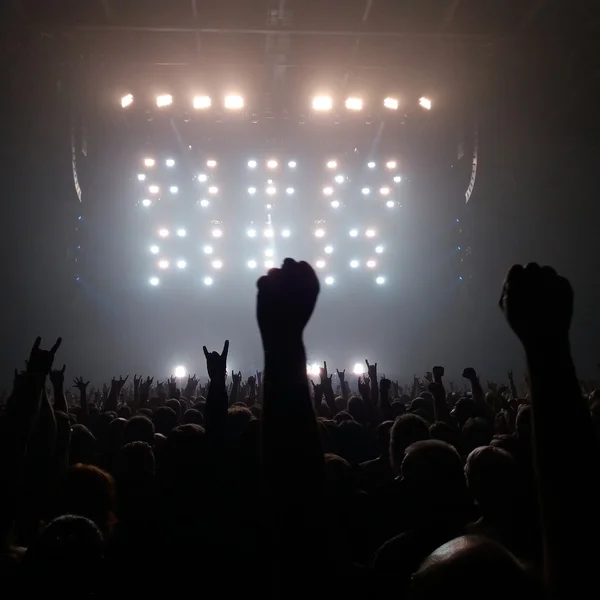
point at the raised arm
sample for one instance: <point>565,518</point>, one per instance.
<point>57,379</point>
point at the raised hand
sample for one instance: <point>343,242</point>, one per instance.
<point>136,382</point>
<point>80,384</point>
<point>538,305</point>
<point>325,378</point>
<point>236,377</point>
<point>172,386</point>
<point>145,386</point>
<point>57,377</point>
<point>216,363</point>
<point>372,370</point>
<point>117,386</point>
<point>285,301</point>
<point>192,384</point>
<point>363,387</point>
<point>40,361</point>
<point>385,385</point>
<point>469,373</point>
<point>341,376</point>
<point>492,386</point>
<point>429,376</point>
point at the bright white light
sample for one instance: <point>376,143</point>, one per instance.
<point>371,264</point>
<point>153,189</point>
<point>358,369</point>
<point>217,264</point>
<point>251,264</point>
<point>207,249</point>
<point>379,249</point>
<point>319,232</point>
<point>322,103</point>
<point>390,204</point>
<point>292,164</point>
<point>313,370</point>
<point>204,203</point>
<point>391,103</point>
<point>380,280</point>
<point>154,249</point>
<point>163,232</point>
<point>269,264</point>
<point>146,202</point>
<point>328,191</point>
<point>181,232</point>
<point>180,371</point>
<point>181,264</point>
<point>202,177</point>
<point>397,179</point>
<point>370,233</point>
<point>328,249</point>
<point>271,190</point>
<point>126,100</point>
<point>213,189</point>
<point>269,206</point>
<point>201,102</point>
<point>170,162</point>
<point>252,191</point>
<point>335,204</point>
<point>154,281</point>
<point>366,191</point>
<point>163,264</point>
<point>353,232</point>
<point>332,164</point>
<point>339,179</point>
<point>173,189</point>
<point>208,281</point>
<point>285,233</point>
<point>371,164</point>
<point>384,191</point>
<point>251,233</point>
<point>252,164</point>
<point>320,264</point>
<point>149,162</point>
<point>269,252</point>
<point>272,164</point>
<point>289,191</point>
<point>354,264</point>
<point>234,102</point>
<point>329,280</point>
<point>164,100</point>
<point>216,232</point>
<point>425,102</point>
<point>268,233</point>
<point>391,164</point>
<point>211,163</point>
<point>141,177</point>
<point>354,103</point>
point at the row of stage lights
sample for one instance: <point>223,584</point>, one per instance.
<point>235,102</point>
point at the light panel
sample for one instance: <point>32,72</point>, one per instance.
<point>201,102</point>
<point>126,100</point>
<point>164,100</point>
<point>234,102</point>
<point>322,103</point>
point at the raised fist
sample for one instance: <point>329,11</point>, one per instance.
<point>538,304</point>
<point>285,301</point>
<point>469,373</point>
<point>216,363</point>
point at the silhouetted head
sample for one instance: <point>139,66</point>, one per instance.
<point>193,416</point>
<point>139,429</point>
<point>174,404</point>
<point>357,408</point>
<point>406,430</point>
<point>383,438</point>
<point>83,445</point>
<point>476,432</point>
<point>135,461</point>
<point>523,422</point>
<point>165,419</point>
<point>397,408</point>
<point>463,410</point>
<point>442,431</point>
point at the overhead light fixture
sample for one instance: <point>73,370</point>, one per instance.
<point>391,103</point>
<point>126,100</point>
<point>322,103</point>
<point>234,102</point>
<point>425,103</point>
<point>202,102</point>
<point>164,100</point>
<point>354,103</point>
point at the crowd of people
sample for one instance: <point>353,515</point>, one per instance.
<point>270,485</point>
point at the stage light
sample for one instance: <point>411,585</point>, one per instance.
<point>425,103</point>
<point>217,233</point>
<point>180,371</point>
<point>380,280</point>
<point>339,179</point>
<point>202,177</point>
<point>354,103</point>
<point>207,249</point>
<point>314,370</point>
<point>332,164</point>
<point>292,164</point>
<point>252,164</point>
<point>204,203</point>
<point>149,162</point>
<point>384,191</point>
<point>213,189</point>
<point>328,191</point>
<point>269,206</point>
<point>211,163</point>
<point>126,100</point>
<point>335,204</point>
<point>391,103</point>
<point>268,233</point>
<point>234,102</point>
<point>358,369</point>
<point>328,249</point>
<point>353,232</point>
<point>217,264</point>
<point>379,249</point>
<point>153,189</point>
<point>164,100</point>
<point>285,233</point>
<point>170,162</point>
<point>154,249</point>
<point>354,264</point>
<point>201,102</point>
<point>163,264</point>
<point>322,103</point>
<point>329,280</point>
<point>208,281</point>
<point>320,264</point>
<point>320,232</point>
<point>371,164</point>
<point>269,252</point>
<point>146,202</point>
<point>270,190</point>
<point>371,264</point>
<point>173,189</point>
<point>289,191</point>
<point>366,191</point>
<point>397,179</point>
<point>154,281</point>
<point>272,164</point>
<point>390,204</point>
<point>181,264</point>
<point>252,190</point>
<point>391,164</point>
<point>251,264</point>
<point>269,264</point>
<point>163,232</point>
<point>141,177</point>
<point>181,232</point>
<point>370,233</point>
<point>251,233</point>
